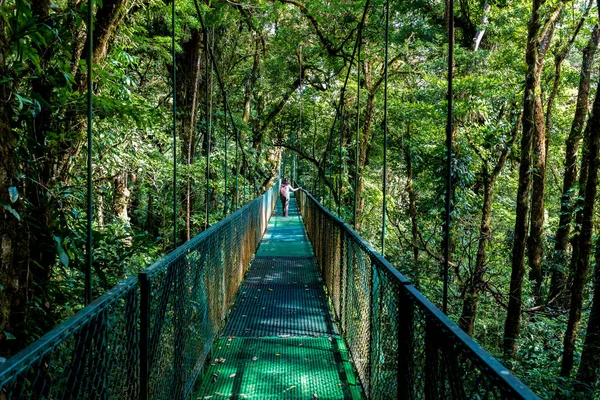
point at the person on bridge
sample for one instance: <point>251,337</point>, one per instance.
<point>284,195</point>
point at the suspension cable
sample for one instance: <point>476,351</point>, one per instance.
<point>226,144</point>
<point>207,123</point>
<point>341,102</point>
<point>90,60</point>
<point>238,145</point>
<point>300,121</point>
<point>385,124</point>
<point>356,144</point>
<point>341,160</point>
<point>237,164</point>
<point>174,128</point>
<point>449,129</point>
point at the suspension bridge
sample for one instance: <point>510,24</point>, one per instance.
<point>261,306</point>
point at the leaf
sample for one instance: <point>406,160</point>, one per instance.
<point>13,193</point>
<point>9,336</point>
<point>62,254</point>
<point>22,100</point>
<point>11,210</point>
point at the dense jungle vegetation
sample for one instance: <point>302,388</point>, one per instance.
<point>525,245</point>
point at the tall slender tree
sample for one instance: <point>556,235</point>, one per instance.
<point>533,124</point>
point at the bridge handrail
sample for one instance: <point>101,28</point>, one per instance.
<point>35,362</point>
<point>454,345</point>
<point>99,351</point>
<point>186,297</point>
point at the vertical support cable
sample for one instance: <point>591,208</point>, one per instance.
<point>357,144</point>
<point>174,128</point>
<point>90,60</point>
<point>339,111</point>
<point>385,124</point>
<point>226,144</point>
<point>223,92</point>
<point>245,196</point>
<point>237,166</point>
<point>449,129</point>
<point>207,124</point>
<point>329,192</point>
<point>300,120</point>
<point>339,205</point>
<point>314,186</point>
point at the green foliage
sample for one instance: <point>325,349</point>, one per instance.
<point>289,122</point>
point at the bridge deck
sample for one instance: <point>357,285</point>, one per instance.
<point>280,340</point>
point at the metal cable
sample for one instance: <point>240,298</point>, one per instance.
<point>237,166</point>
<point>385,125</point>
<point>341,161</point>
<point>174,128</point>
<point>357,146</point>
<point>206,99</point>
<point>227,108</point>
<point>225,186</point>
<point>449,129</point>
<point>300,121</point>
<point>340,105</point>
<point>90,60</point>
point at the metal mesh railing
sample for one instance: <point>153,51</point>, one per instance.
<point>149,336</point>
<point>95,353</point>
<point>186,296</point>
<point>402,345</point>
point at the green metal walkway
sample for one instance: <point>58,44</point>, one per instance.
<point>280,341</point>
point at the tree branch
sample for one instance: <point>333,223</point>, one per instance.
<point>324,40</point>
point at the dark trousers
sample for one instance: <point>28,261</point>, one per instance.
<point>285,202</point>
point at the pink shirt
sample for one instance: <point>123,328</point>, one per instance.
<point>284,190</point>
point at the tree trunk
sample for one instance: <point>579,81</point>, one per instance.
<point>538,193</point>
<point>100,210</point>
<point>13,259</point>
<point>250,81</point>
<point>151,218</point>
<point>134,200</point>
<point>581,263</point>
<point>536,230</point>
<point>481,30</point>
<point>531,105</point>
<point>412,204</point>
<point>366,136</point>
<point>539,152</point>
<point>475,286</point>
<point>79,35</point>
<point>187,95</point>
<point>108,18</point>
<point>558,284</point>
<point>121,198</point>
<point>590,356</point>
<point>41,246</point>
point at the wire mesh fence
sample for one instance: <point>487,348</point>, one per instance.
<point>148,337</point>
<point>403,347</point>
<point>92,354</point>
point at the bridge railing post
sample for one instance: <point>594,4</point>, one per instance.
<point>405,337</point>
<point>433,381</point>
<point>374,332</point>
<point>145,294</point>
